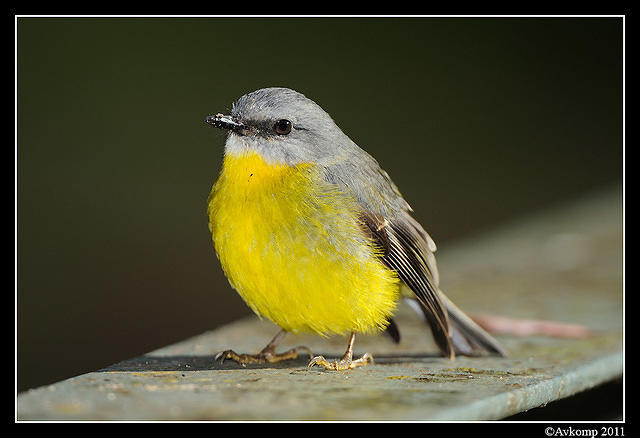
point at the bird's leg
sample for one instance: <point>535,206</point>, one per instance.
<point>347,362</point>
<point>267,354</point>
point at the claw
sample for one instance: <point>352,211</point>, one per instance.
<point>220,354</point>
<point>319,360</point>
<point>346,363</point>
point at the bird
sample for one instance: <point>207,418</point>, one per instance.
<point>314,235</point>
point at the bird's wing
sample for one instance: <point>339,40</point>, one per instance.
<point>409,250</point>
<point>405,250</point>
<point>404,245</point>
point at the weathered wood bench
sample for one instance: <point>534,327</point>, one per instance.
<point>563,264</point>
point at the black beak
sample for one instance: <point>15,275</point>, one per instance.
<point>225,122</point>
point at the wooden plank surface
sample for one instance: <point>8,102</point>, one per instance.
<point>563,264</point>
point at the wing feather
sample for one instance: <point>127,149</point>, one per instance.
<point>407,249</point>
<point>401,252</point>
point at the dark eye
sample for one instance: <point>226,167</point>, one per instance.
<point>282,127</point>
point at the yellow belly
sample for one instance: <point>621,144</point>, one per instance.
<point>292,247</point>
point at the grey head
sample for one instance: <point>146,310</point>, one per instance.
<point>284,127</point>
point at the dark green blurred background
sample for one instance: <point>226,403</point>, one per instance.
<point>477,120</point>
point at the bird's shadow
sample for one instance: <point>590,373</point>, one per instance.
<point>185,363</point>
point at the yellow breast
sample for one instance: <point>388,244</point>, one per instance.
<point>292,247</point>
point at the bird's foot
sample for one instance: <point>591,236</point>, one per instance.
<point>267,355</point>
<point>346,363</point>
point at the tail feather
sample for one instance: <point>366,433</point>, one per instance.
<point>469,338</point>
<point>465,337</point>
